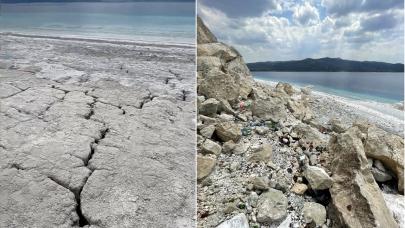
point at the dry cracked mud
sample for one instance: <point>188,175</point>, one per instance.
<point>96,134</point>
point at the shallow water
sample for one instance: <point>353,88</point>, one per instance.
<point>381,87</point>
<point>135,21</point>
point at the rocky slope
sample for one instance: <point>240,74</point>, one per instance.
<point>264,160</point>
<point>96,134</point>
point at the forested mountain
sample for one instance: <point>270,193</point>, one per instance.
<point>327,65</point>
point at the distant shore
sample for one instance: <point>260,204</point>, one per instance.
<point>319,71</point>
<point>326,64</point>
<point>385,87</point>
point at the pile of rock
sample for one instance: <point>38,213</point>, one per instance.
<point>356,198</point>
<point>264,161</point>
<point>235,118</point>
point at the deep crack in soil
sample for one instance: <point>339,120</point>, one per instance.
<point>63,144</point>
<point>82,219</point>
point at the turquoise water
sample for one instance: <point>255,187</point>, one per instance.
<point>381,87</point>
<point>135,21</point>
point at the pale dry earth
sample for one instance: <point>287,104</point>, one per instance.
<point>96,134</point>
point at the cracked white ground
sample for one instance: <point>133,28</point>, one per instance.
<point>96,134</point>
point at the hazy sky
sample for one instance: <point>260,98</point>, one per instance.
<point>296,29</point>
<point>35,1</point>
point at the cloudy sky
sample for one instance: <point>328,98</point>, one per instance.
<point>295,29</point>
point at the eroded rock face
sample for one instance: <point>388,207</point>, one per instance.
<point>384,147</point>
<point>223,75</point>
<point>356,198</point>
<point>204,35</point>
<point>77,149</point>
<point>219,85</point>
<point>387,148</point>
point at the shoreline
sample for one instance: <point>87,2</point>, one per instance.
<point>327,106</point>
<point>295,71</point>
<point>100,40</point>
<point>298,87</point>
<point>61,59</point>
<point>357,96</point>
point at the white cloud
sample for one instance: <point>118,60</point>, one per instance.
<point>344,7</point>
<point>235,9</point>
<point>327,25</point>
<point>306,14</point>
<point>380,21</point>
<point>306,30</point>
<point>341,7</point>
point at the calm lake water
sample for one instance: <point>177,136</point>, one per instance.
<point>382,87</point>
<point>137,21</point>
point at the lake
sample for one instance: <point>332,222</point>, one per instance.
<point>170,22</point>
<point>381,87</point>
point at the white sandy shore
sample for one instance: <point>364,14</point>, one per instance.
<point>94,39</point>
<point>326,106</point>
<point>83,60</point>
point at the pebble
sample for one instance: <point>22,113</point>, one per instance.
<point>299,188</point>
<point>261,130</point>
<point>313,160</point>
<point>234,166</point>
<point>228,147</point>
<point>285,140</point>
<point>379,165</point>
<point>271,165</point>
<point>314,212</point>
<point>252,199</point>
<point>260,183</point>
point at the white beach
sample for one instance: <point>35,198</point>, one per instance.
<point>327,106</point>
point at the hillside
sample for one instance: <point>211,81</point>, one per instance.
<point>326,65</point>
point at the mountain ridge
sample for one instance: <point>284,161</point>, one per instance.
<point>326,64</point>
